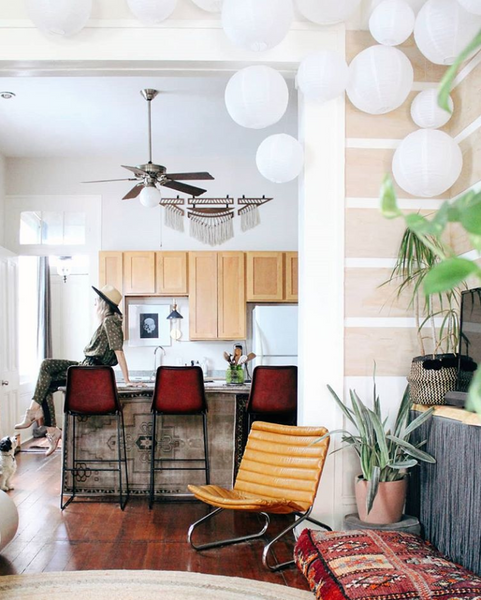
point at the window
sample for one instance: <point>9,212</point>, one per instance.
<point>52,228</point>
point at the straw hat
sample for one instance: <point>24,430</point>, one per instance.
<point>111,295</point>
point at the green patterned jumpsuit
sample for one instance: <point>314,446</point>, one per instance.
<point>105,341</point>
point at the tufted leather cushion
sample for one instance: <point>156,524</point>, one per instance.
<point>274,390</point>
<point>179,390</point>
<point>279,472</point>
<point>91,390</point>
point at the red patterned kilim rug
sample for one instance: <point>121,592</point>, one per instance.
<point>380,565</point>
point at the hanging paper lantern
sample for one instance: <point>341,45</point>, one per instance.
<point>150,196</point>
<point>472,6</point>
<point>392,22</point>
<point>426,112</point>
<point>256,97</point>
<point>443,29</point>
<point>427,163</point>
<point>280,158</point>
<point>213,6</point>
<point>380,79</point>
<point>150,12</point>
<point>61,17</point>
<point>326,12</point>
<point>256,25</point>
<point>322,76</point>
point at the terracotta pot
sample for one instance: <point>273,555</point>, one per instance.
<point>388,503</point>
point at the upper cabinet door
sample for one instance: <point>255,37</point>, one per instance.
<point>265,277</point>
<point>203,295</point>
<point>110,269</point>
<point>172,273</point>
<point>231,296</point>
<point>292,277</point>
<point>139,272</point>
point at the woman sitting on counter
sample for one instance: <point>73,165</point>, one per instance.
<point>105,348</point>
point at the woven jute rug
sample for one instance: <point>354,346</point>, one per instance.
<point>144,585</point>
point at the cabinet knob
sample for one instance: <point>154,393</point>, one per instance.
<point>5,382</point>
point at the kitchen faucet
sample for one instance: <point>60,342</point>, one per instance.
<point>155,360</point>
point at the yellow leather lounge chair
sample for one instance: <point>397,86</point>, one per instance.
<point>279,473</point>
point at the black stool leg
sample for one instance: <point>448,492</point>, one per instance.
<point>119,462</point>
<point>125,459</point>
<point>152,462</point>
<point>64,461</point>
<point>74,455</point>
<point>206,450</point>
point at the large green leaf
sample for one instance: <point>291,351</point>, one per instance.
<point>418,421</point>
<point>411,450</point>
<point>347,412</point>
<point>403,464</point>
<point>389,207</point>
<point>470,217</point>
<point>372,488</point>
<point>449,76</point>
<point>448,274</point>
<point>474,394</point>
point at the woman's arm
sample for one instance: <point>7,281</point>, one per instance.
<point>123,367</point>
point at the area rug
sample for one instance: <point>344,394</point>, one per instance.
<point>146,585</point>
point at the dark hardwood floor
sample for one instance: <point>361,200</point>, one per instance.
<point>101,536</point>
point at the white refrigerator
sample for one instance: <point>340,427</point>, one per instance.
<point>274,335</point>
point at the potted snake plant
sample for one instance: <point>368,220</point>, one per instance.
<point>385,454</point>
<point>434,371</point>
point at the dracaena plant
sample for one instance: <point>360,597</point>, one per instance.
<point>451,270</point>
<point>384,454</point>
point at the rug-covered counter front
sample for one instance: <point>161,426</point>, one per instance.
<point>181,438</point>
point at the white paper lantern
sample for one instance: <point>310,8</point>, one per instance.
<point>380,79</point>
<point>327,12</point>
<point>257,25</point>
<point>443,29</point>
<point>150,196</point>
<point>61,17</point>
<point>280,158</point>
<point>150,12</point>
<point>426,112</point>
<point>256,97</point>
<point>214,6</point>
<point>472,6</point>
<point>392,22</point>
<point>323,76</point>
<point>427,163</point>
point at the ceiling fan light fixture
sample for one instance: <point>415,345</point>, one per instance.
<point>150,196</point>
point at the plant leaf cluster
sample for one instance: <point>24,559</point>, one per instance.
<point>384,455</point>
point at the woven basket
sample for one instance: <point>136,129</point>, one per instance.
<point>431,377</point>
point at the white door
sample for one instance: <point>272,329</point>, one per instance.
<point>9,374</point>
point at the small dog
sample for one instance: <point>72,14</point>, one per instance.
<point>8,462</point>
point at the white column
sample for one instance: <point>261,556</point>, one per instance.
<point>321,283</point>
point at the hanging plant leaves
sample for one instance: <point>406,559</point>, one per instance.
<point>448,274</point>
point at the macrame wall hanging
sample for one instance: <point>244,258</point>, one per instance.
<point>212,219</point>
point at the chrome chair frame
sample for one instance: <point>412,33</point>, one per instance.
<point>267,547</point>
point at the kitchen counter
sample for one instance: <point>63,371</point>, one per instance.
<point>181,438</point>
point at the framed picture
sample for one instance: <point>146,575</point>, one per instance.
<point>148,325</point>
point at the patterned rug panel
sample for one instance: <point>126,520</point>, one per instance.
<point>380,565</point>
<point>145,585</point>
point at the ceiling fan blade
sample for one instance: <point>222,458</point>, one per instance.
<point>187,176</point>
<point>137,172</point>
<point>109,180</point>
<point>183,187</point>
<point>134,192</point>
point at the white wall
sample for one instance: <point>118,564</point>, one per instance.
<point>2,199</point>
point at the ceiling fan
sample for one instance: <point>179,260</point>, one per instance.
<point>150,175</point>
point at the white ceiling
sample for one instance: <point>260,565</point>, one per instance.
<point>107,116</point>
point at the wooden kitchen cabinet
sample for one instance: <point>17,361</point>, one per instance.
<point>272,276</point>
<point>203,295</point>
<point>139,273</point>
<point>217,300</point>
<point>265,276</point>
<point>111,269</point>
<point>171,273</point>
<point>231,296</point>
<point>292,277</point>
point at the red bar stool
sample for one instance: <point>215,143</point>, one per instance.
<point>92,391</point>
<point>273,396</point>
<point>178,391</point>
